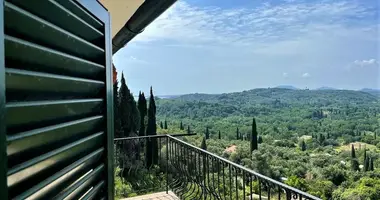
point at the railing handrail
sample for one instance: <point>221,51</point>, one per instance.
<point>154,136</point>
<point>284,186</point>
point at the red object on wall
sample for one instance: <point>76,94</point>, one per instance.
<point>114,74</point>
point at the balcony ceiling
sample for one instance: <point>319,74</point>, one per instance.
<point>121,11</point>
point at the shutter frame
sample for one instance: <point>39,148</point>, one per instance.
<point>99,89</point>
<point>101,13</point>
<point>3,142</point>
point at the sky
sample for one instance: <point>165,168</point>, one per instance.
<point>220,46</point>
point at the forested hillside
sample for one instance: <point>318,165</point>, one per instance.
<point>324,142</point>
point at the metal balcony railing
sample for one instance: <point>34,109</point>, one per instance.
<point>193,173</point>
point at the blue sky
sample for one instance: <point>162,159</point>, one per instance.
<point>218,46</point>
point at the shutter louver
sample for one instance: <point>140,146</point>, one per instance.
<point>55,100</point>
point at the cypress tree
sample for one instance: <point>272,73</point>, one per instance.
<point>124,108</point>
<point>219,136</point>
<point>353,155</point>
<point>354,161</point>
<point>374,135</point>
<point>117,124</point>
<point>303,145</point>
<point>204,145</point>
<point>366,164</point>
<point>254,144</point>
<point>152,146</point>
<point>354,164</point>
<point>364,156</point>
<point>181,126</point>
<point>129,114</point>
<point>142,106</point>
<point>135,115</point>
<point>188,130</point>
<point>207,133</point>
<point>166,124</point>
<point>371,164</point>
<point>161,125</point>
<point>237,133</point>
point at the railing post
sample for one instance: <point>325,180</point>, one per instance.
<point>167,165</point>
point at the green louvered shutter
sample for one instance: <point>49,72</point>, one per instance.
<point>56,134</point>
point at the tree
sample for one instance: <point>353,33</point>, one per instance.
<point>203,144</point>
<point>124,108</point>
<point>321,188</point>
<point>237,133</point>
<point>364,156</point>
<point>142,106</point>
<point>129,120</point>
<point>353,155</point>
<point>254,144</point>
<point>371,168</point>
<point>129,114</point>
<point>181,126</point>
<point>117,123</point>
<point>166,125</point>
<point>303,145</point>
<point>152,146</point>
<point>161,125</point>
<point>207,133</point>
<point>366,166</point>
<point>321,139</point>
<point>354,164</point>
<point>296,182</point>
<point>219,136</point>
<point>188,130</point>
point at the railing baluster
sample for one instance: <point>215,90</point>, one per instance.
<point>218,174</point>
<point>230,190</point>
<point>167,165</point>
<point>236,184</point>
<point>213,177</point>
<point>250,186</point>
<point>204,174</point>
<point>224,181</point>
<point>208,175</point>
<point>243,184</point>
<point>259,188</point>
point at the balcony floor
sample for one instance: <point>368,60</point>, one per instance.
<point>156,196</point>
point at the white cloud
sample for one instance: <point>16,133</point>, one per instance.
<point>260,26</point>
<point>364,63</point>
<point>301,38</point>
<point>133,58</point>
<point>305,75</point>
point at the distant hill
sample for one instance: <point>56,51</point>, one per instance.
<point>264,95</point>
<point>371,91</point>
<point>290,87</point>
<point>263,101</point>
<point>167,96</point>
<point>326,88</point>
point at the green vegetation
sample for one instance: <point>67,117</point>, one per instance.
<point>323,142</point>
<point>135,174</point>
